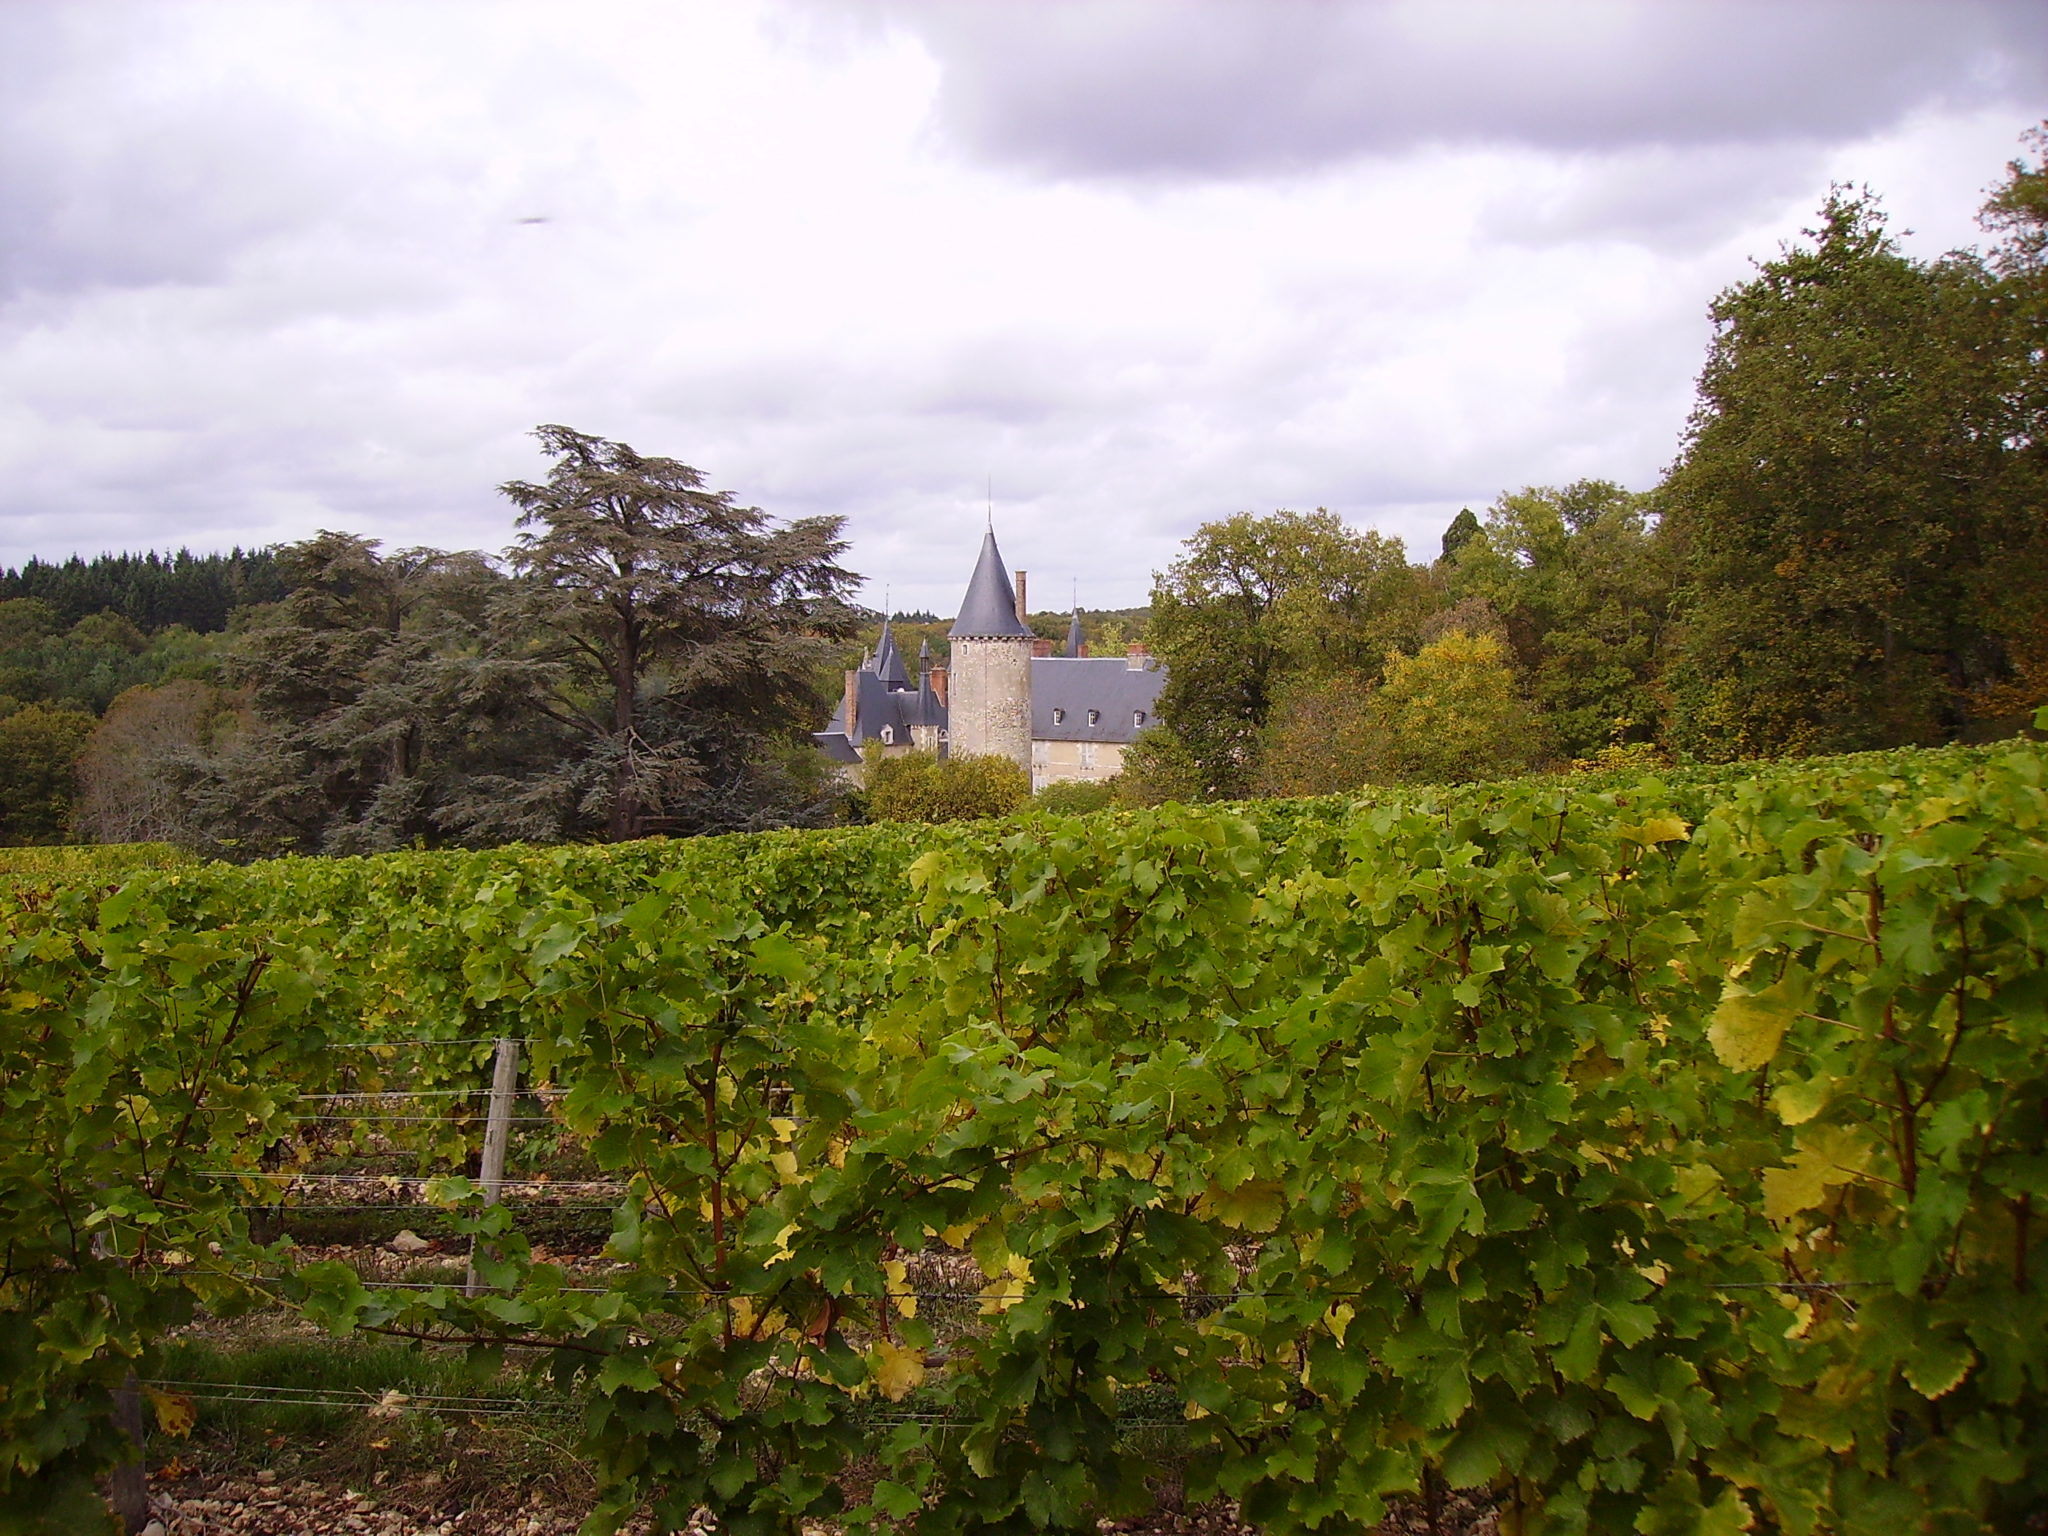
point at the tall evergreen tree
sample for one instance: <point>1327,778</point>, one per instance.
<point>673,636</point>
<point>362,689</point>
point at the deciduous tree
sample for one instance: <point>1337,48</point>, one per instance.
<point>1257,602</point>
<point>1450,714</point>
<point>1838,498</point>
<point>39,747</point>
<point>1582,592</point>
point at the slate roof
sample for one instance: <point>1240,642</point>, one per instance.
<point>1071,686</point>
<point>889,660</point>
<point>876,704</point>
<point>989,610</point>
<point>1074,641</point>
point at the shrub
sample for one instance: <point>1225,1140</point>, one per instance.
<point>1077,797</point>
<point>920,787</point>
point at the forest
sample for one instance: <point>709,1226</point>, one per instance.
<point>1849,551</point>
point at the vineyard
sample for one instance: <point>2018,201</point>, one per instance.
<point>1656,1153</point>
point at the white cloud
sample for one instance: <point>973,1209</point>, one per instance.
<point>265,268</point>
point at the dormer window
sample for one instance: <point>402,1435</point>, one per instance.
<point>1138,719</point>
<point>1059,717</point>
<point>1095,717</point>
<point>888,735</point>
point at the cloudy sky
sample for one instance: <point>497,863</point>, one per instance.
<point>272,267</point>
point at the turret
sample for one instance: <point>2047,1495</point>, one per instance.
<point>989,689</point>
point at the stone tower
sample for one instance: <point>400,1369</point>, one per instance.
<point>989,694</point>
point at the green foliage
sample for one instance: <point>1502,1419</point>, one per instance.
<point>96,659</point>
<point>369,705</point>
<point>1658,1152</point>
<point>916,786</point>
<point>1582,590</point>
<point>1450,714</point>
<point>39,748</point>
<point>669,630</point>
<point>1324,738</point>
<point>1158,768</point>
<point>2017,605</point>
<point>154,592</point>
<point>1077,797</point>
<point>1257,602</point>
<point>1840,508</point>
<point>1463,528</point>
<point>73,864</point>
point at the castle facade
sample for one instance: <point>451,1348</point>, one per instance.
<point>1059,714</point>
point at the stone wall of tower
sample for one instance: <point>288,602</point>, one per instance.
<point>988,709</point>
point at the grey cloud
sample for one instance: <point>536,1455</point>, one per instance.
<point>109,176</point>
<point>1227,88</point>
<point>1672,198</point>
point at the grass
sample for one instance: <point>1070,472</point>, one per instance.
<point>363,1412</point>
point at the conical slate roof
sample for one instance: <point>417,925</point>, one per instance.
<point>1074,641</point>
<point>889,660</point>
<point>989,611</point>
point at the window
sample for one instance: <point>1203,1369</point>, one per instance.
<point>1059,717</point>
<point>888,735</point>
<point>1095,717</point>
<point>1138,719</point>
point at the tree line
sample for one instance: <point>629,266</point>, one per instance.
<point>1851,551</point>
<point>642,660</point>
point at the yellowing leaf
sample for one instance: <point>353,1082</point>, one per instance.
<point>785,1163</point>
<point>956,1236</point>
<point>175,1412</point>
<point>751,1324</point>
<point>897,1369</point>
<point>1338,1318</point>
<point>1798,1100</point>
<point>1937,1366</point>
<point>1696,1181</point>
<point>1007,1288</point>
<point>1659,829</point>
<point>1827,1155</point>
<point>898,1274</point>
<point>1788,1191</point>
<point>1728,1515</point>
<point>1748,1027</point>
<point>1254,1206</point>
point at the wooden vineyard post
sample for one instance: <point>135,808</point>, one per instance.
<point>497,1135</point>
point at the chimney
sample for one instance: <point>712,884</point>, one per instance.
<point>937,677</point>
<point>852,704</point>
<point>1137,657</point>
<point>1041,646</point>
<point>1022,613</point>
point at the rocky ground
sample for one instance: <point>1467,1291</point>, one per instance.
<point>264,1505</point>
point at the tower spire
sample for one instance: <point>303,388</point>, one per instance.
<point>989,610</point>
